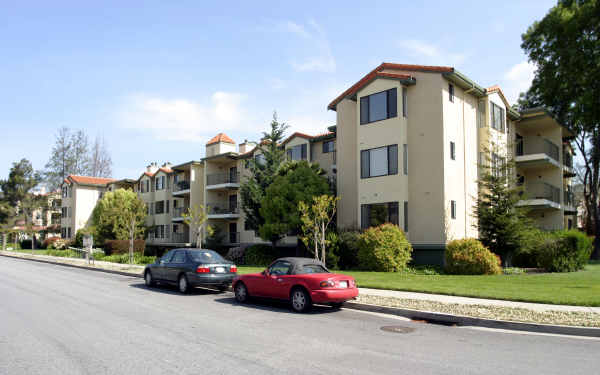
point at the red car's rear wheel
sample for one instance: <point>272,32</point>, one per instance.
<point>300,300</point>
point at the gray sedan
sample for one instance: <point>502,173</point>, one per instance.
<point>188,268</point>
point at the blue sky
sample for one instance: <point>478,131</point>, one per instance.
<point>158,79</point>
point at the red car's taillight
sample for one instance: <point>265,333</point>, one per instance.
<point>233,268</point>
<point>202,269</point>
<point>327,284</point>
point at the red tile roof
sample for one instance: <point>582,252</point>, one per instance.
<point>378,72</point>
<point>87,180</point>
<point>221,137</point>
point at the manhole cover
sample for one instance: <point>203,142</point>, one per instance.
<point>397,329</point>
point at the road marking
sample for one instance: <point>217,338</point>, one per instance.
<point>500,330</point>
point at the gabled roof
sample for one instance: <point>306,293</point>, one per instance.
<point>221,137</point>
<point>514,115</point>
<point>382,71</point>
<point>308,136</point>
<point>161,169</point>
<point>87,180</point>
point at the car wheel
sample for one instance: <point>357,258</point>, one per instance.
<point>148,279</point>
<point>337,305</point>
<point>241,292</point>
<point>300,300</point>
<point>183,284</point>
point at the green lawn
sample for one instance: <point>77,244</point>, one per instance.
<point>574,288</point>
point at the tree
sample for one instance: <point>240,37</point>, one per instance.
<point>100,160</point>
<point>71,154</point>
<point>263,169</point>
<point>195,217</point>
<point>119,215</point>
<point>295,182</point>
<point>502,224</point>
<point>315,219</point>
<point>565,48</point>
<point>18,200</point>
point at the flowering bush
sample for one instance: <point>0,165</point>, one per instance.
<point>469,257</point>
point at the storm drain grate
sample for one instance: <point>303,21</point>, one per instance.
<point>397,329</point>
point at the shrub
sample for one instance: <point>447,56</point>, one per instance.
<point>332,250</point>
<point>529,248</point>
<point>565,251</point>
<point>348,249</point>
<point>64,253</point>
<point>60,244</point>
<point>112,247</point>
<point>260,255</point>
<point>469,257</point>
<point>383,248</point>
<point>235,254</point>
<point>26,244</point>
<point>49,241</point>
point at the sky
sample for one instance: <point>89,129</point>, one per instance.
<point>158,79</point>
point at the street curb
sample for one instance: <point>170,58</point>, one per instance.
<point>122,273</point>
<point>459,320</point>
<point>428,316</point>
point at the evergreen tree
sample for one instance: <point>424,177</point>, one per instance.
<point>502,224</point>
<point>264,166</point>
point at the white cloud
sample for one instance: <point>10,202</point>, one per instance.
<point>181,119</point>
<point>427,53</point>
<point>517,79</point>
<point>313,51</point>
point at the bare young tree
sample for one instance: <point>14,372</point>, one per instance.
<point>100,160</point>
<point>80,153</point>
<point>60,163</point>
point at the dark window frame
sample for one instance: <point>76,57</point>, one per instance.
<point>451,92</point>
<point>452,150</point>
<point>326,148</point>
<point>391,105</point>
<point>389,159</point>
<point>453,209</point>
<point>404,102</point>
<point>392,210</point>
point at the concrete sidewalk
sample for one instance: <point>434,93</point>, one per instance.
<point>538,307</point>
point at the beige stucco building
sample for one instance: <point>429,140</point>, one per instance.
<point>411,141</point>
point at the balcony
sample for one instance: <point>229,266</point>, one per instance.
<point>538,154</point>
<point>541,195</point>
<point>178,213</point>
<point>568,170</point>
<point>181,187</point>
<point>224,210</point>
<point>569,203</point>
<point>180,238</point>
<point>229,180</point>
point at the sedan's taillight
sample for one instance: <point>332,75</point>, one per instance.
<point>202,269</point>
<point>233,268</point>
<point>327,284</point>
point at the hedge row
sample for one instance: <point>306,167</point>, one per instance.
<point>122,246</point>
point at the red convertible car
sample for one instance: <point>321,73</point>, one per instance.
<point>302,281</point>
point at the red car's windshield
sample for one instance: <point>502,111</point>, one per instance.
<point>311,268</point>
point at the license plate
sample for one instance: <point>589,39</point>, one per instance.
<point>219,269</point>
<point>343,284</point>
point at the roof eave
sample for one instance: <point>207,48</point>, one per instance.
<point>465,83</point>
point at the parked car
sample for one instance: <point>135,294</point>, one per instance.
<point>189,268</point>
<point>302,281</point>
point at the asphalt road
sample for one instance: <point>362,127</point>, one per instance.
<point>61,320</point>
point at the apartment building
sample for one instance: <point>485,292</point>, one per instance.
<point>48,219</point>
<point>411,140</point>
<point>79,197</point>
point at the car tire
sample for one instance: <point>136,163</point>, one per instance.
<point>241,292</point>
<point>148,279</point>
<point>300,300</point>
<point>337,305</point>
<point>183,285</point>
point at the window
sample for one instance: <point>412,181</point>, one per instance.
<point>69,232</point>
<point>159,207</point>
<point>498,117</point>
<point>404,102</point>
<point>179,257</point>
<point>379,106</point>
<point>312,268</point>
<point>453,209</point>
<point>167,257</point>
<point>297,152</point>
<point>451,92</point>
<point>160,183</point>
<point>380,161</point>
<point>247,225</point>
<point>405,216</point>
<point>405,158</point>
<point>376,214</point>
<point>497,165</point>
<point>328,146</point>
<point>69,212</point>
<point>452,151</point>
<point>147,186</point>
<point>159,231</point>
<point>151,208</point>
<point>481,114</point>
<point>280,268</point>
<point>206,256</point>
<point>167,206</point>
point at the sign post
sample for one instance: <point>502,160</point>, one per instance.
<point>88,243</point>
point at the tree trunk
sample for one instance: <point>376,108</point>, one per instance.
<point>3,241</point>
<point>316,246</point>
<point>323,259</point>
<point>131,236</point>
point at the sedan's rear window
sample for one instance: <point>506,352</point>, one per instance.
<point>312,268</point>
<point>206,256</point>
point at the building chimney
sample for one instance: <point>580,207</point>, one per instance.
<point>246,146</point>
<point>152,168</point>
